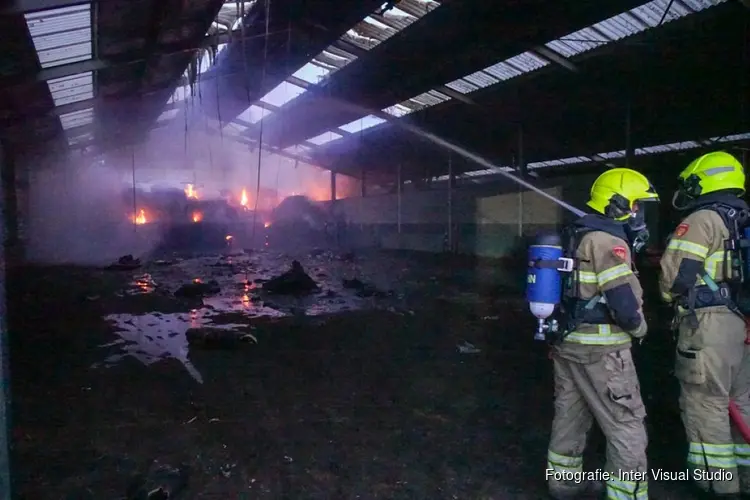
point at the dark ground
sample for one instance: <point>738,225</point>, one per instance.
<point>371,402</point>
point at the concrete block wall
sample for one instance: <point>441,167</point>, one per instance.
<point>488,221</point>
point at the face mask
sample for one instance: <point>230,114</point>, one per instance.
<point>636,229</point>
<point>681,201</point>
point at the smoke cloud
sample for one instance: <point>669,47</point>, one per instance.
<point>80,216</point>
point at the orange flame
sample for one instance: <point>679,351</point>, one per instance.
<point>140,218</point>
<point>191,192</point>
<point>197,216</point>
<point>267,224</point>
<point>243,198</point>
<point>228,237</point>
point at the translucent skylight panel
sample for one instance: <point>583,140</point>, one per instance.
<point>282,94</point>
<point>77,118</point>
<point>235,127</point>
<point>430,98</point>
<point>71,89</point>
<point>620,26</point>
<point>298,149</point>
<point>652,149</point>
<point>168,115</point>
<point>181,93</point>
<point>578,42</point>
<point>312,73</point>
<point>613,154</point>
<point>78,139</point>
<point>481,79</point>
<point>375,28</point>
<point>526,62</point>
<point>206,63</point>
<point>398,110</point>
<point>503,71</point>
<point>380,26</point>
<point>61,36</point>
<point>735,137</point>
<point>682,145</point>
<point>362,124</point>
<point>324,138</point>
<point>462,86</point>
<point>253,114</point>
<point>629,23</point>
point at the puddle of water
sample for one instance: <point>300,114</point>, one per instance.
<point>155,336</point>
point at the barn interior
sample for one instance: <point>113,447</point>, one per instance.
<point>164,162</point>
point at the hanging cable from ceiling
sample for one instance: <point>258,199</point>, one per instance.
<point>260,132</point>
<point>135,203</point>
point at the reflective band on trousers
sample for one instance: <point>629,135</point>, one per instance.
<point>603,337</point>
<point>561,463</point>
<point>717,456</point>
<point>742,455</point>
<point>689,247</point>
<point>626,490</point>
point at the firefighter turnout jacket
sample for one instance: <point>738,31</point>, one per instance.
<point>604,270</point>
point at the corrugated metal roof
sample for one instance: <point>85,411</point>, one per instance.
<point>397,110</point>
<point>613,154</point>
<point>61,36</point>
<point>324,138</point>
<point>627,24</point>
<point>72,88</point>
<point>77,118</point>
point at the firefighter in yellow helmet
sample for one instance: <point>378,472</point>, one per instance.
<point>595,378</point>
<point>700,275</point>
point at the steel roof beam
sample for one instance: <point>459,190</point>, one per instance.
<point>121,61</point>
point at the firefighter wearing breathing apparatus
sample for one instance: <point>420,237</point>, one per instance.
<point>701,274</point>
<point>601,311</point>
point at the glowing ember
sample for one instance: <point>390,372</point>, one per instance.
<point>140,218</point>
<point>196,280</point>
<point>190,192</point>
<point>243,199</point>
<point>267,224</point>
<point>197,216</point>
<point>228,237</point>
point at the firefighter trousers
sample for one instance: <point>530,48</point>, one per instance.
<point>607,390</point>
<point>712,364</point>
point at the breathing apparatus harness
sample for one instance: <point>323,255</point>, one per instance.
<point>735,215</point>
<point>574,310</point>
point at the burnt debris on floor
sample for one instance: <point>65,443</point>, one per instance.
<point>430,389</point>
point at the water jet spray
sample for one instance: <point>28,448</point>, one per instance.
<point>460,151</point>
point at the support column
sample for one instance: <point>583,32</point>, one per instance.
<point>451,185</point>
<point>629,150</point>
<point>363,184</point>
<point>399,188</point>
<point>522,171</point>
<point>333,186</point>
<point>5,490</point>
<point>10,208</point>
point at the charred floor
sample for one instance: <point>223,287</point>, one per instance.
<point>420,381</point>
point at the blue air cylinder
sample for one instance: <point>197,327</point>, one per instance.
<point>544,284</point>
<point>746,255</point>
